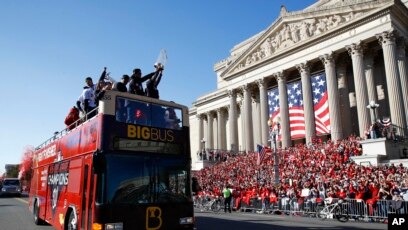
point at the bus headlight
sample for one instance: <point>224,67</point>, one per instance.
<point>114,226</point>
<point>186,220</point>
<point>3,189</point>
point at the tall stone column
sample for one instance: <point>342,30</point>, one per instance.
<point>246,89</point>
<point>369,76</point>
<point>310,127</point>
<point>210,130</point>
<point>403,70</point>
<point>200,131</point>
<point>284,109</point>
<point>336,129</point>
<point>344,99</point>
<point>263,100</point>
<point>233,126</point>
<point>220,129</point>
<point>387,41</point>
<point>355,50</point>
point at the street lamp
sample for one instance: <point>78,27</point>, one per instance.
<point>273,134</point>
<point>203,141</point>
<point>373,106</point>
<point>203,152</point>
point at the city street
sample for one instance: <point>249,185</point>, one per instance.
<point>14,214</point>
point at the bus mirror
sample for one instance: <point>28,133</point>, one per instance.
<point>98,164</point>
<point>195,186</point>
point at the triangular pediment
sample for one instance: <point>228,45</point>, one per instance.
<point>294,28</point>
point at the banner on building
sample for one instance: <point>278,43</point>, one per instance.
<point>274,110</point>
<point>321,104</point>
<point>296,111</point>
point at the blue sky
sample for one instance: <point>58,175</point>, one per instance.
<point>48,47</point>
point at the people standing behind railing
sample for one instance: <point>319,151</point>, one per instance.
<point>72,119</point>
<point>152,83</point>
<point>121,104</point>
<point>100,90</point>
<point>86,101</point>
<point>121,85</point>
<point>136,82</point>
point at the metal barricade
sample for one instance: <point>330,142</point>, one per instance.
<point>372,210</point>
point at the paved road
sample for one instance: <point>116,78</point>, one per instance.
<point>14,214</point>
<point>253,221</point>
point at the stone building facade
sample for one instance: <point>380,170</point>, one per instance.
<point>359,46</point>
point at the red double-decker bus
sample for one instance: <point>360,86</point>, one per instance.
<point>128,167</point>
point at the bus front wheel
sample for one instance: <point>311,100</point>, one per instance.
<point>72,221</point>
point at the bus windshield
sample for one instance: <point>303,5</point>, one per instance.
<point>147,114</point>
<point>136,180</point>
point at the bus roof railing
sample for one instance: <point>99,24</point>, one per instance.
<point>67,130</point>
<point>77,123</point>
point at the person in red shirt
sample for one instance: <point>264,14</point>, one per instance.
<point>72,119</point>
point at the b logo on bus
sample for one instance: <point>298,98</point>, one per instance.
<point>153,218</point>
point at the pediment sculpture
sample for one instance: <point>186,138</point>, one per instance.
<point>290,33</point>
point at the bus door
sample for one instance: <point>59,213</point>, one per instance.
<point>87,195</point>
<point>48,196</point>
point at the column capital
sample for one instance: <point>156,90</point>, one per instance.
<point>245,87</point>
<point>222,109</point>
<point>261,82</point>
<point>387,37</point>
<point>356,48</point>
<point>199,116</point>
<point>231,93</point>
<point>210,114</point>
<point>303,67</point>
<point>280,76</point>
<point>328,58</point>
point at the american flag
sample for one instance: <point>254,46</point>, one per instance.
<point>262,150</point>
<point>295,104</point>
<point>273,102</point>
<point>321,105</point>
<point>296,112</point>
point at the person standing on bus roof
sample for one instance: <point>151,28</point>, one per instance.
<point>86,101</point>
<point>72,119</point>
<point>136,82</point>
<point>121,85</point>
<point>121,103</point>
<point>151,85</point>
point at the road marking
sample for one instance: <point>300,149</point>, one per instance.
<point>22,200</point>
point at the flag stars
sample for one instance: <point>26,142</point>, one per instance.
<point>321,83</point>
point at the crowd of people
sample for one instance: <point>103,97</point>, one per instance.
<point>315,171</point>
<point>91,94</point>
